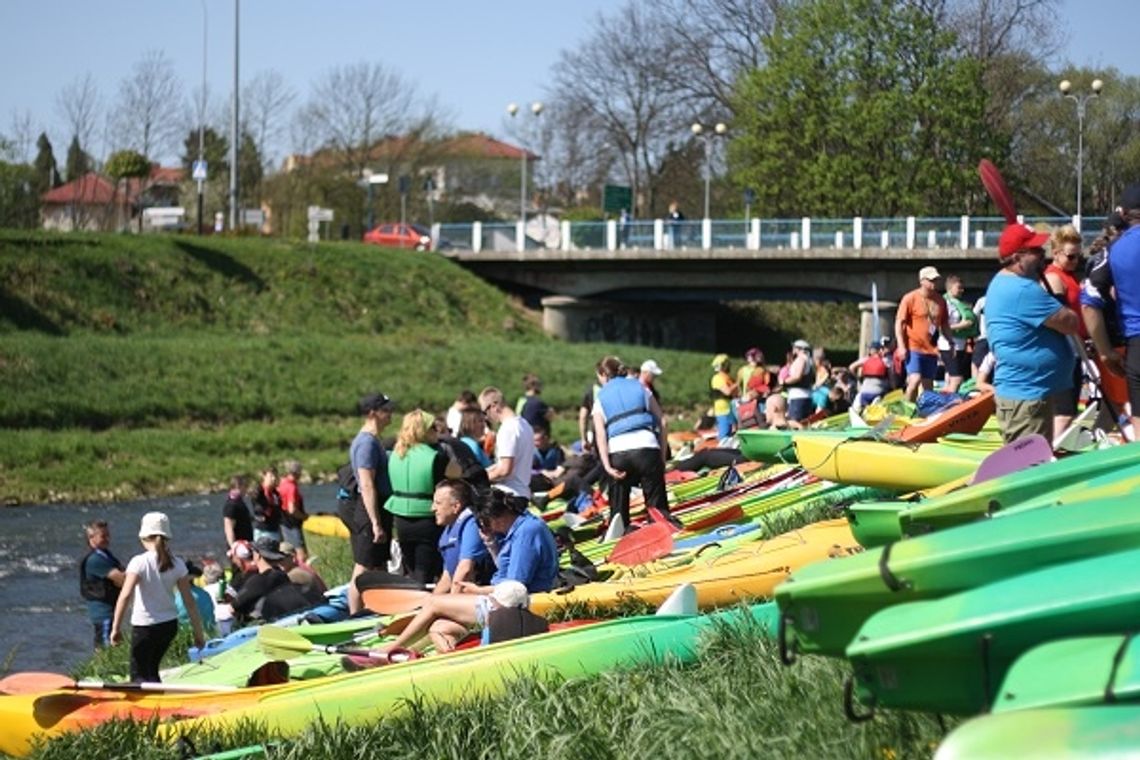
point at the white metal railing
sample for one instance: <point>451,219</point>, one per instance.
<point>806,233</point>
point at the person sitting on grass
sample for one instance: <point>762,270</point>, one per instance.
<point>527,555</point>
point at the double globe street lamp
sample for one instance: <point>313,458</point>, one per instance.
<point>512,109</point>
<point>1081,99</point>
<point>707,133</point>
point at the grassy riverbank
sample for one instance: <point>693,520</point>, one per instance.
<point>137,366</point>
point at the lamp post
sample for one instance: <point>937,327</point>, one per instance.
<point>1081,100</point>
<point>706,133</point>
<point>234,122</point>
<point>512,109</point>
<point>202,117</point>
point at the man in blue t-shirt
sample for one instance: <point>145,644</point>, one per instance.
<point>101,575</point>
<point>527,556</point>
<point>465,556</point>
<point>1027,331</point>
<point>1124,262</point>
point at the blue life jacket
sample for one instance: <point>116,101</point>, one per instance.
<point>623,400</point>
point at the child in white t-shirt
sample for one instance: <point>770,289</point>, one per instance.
<point>149,584</point>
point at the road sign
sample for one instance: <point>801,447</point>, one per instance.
<point>749,197</point>
<point>198,172</point>
<point>253,217</point>
<point>318,214</point>
<point>617,197</point>
<point>405,184</point>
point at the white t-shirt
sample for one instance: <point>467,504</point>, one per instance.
<point>515,439</point>
<point>633,440</point>
<point>153,601</point>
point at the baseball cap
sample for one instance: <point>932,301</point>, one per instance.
<point>1020,237</point>
<point>803,344</point>
<point>719,360</point>
<point>510,594</point>
<point>1130,198</point>
<point>374,402</point>
<point>154,524</point>
<point>884,342</point>
<point>267,547</point>
<point>651,367</point>
<point>287,548</point>
<point>928,273</point>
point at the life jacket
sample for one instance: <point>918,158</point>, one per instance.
<point>98,589</point>
<point>625,406</point>
<point>412,481</point>
<point>875,366</point>
<point>965,312</point>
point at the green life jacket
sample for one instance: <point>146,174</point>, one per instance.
<point>964,313</point>
<point>412,481</point>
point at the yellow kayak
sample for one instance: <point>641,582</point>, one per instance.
<point>324,524</point>
<point>884,464</point>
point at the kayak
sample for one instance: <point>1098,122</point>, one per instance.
<point>325,524</point>
<point>884,464</point>
<point>825,604</point>
<point>364,697</point>
<point>749,572</point>
<point>970,416</point>
<point>952,654</point>
<point>875,523</point>
<point>1073,734</point>
<point>1090,670</point>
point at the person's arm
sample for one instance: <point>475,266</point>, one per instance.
<point>1055,284</point>
<point>602,443</point>
<point>1064,320</point>
<point>500,469</point>
<point>116,576</point>
<point>228,524</point>
<point>583,420</point>
<point>1098,331</point>
<point>192,610</point>
<point>444,585</point>
<point>900,328</point>
<point>368,497</point>
<point>125,598</point>
<point>662,431</point>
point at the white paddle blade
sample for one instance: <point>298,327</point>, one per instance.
<point>616,529</point>
<point>683,601</point>
<point>572,519</point>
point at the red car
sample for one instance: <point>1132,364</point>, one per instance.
<point>396,235</point>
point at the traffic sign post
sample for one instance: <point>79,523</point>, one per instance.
<point>749,199</point>
<point>617,197</point>
<point>198,171</point>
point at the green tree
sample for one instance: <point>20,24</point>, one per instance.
<point>864,109</point>
<point>46,169</point>
<point>124,165</point>
<point>78,161</point>
<point>19,198</point>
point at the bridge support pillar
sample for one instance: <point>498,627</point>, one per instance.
<point>886,323</point>
<point>576,320</point>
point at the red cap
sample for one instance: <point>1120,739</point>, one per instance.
<point>1020,237</point>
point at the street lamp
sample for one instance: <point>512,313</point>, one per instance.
<point>512,109</point>
<point>699,130</point>
<point>1081,100</point>
<point>201,166</point>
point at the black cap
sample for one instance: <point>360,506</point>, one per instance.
<point>374,402</point>
<point>267,547</point>
<point>1130,198</point>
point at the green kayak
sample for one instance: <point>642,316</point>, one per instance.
<point>951,655</point>
<point>1061,734</point>
<point>825,603</point>
<point>1072,673</point>
<point>874,524</point>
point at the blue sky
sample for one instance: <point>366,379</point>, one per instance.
<point>474,57</point>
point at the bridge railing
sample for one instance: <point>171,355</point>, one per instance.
<point>806,233</point>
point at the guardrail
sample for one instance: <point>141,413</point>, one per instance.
<point>806,233</point>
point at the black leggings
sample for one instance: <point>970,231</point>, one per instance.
<point>644,467</point>
<point>419,548</point>
<point>148,644</point>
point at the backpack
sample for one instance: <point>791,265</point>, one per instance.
<point>508,623</point>
<point>966,313</point>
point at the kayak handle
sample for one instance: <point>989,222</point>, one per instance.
<point>787,649</point>
<point>890,580</point>
<point>849,703</point>
<point>1109,688</point>
<point>709,545</point>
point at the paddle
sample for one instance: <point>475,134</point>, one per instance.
<point>1014,456</point>
<point>281,643</point>
<point>393,601</point>
<point>384,579</point>
<point>35,683</point>
<point>728,514</point>
<point>644,545</point>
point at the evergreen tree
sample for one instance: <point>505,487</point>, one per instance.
<point>78,161</point>
<point>46,170</point>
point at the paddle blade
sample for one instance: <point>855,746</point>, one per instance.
<point>1018,455</point>
<point>33,683</point>
<point>384,579</point>
<point>645,545</point>
<point>728,514</point>
<point>281,643</point>
<point>683,601</point>
<point>998,192</point>
<point>393,601</point>
<point>616,529</point>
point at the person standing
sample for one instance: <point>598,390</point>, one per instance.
<point>148,589</point>
<point>293,513</point>
<point>799,382</point>
<point>236,519</point>
<point>874,373</point>
<point>1060,274</point>
<point>963,327</point>
<point>267,506</point>
<point>921,316</point>
<point>1027,333</point>
<point>648,375</point>
<point>362,506</point>
<point>676,222</point>
<point>414,468</point>
<point>100,578</point>
<point>531,407</point>
<point>723,389</point>
<point>632,442</point>
<point>514,448</point>
<point>586,409</point>
<point>1124,264</point>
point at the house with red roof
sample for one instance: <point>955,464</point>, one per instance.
<point>94,203</point>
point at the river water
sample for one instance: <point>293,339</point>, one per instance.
<point>43,620</point>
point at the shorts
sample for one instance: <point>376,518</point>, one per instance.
<point>921,364</point>
<point>800,408</point>
<point>1018,419</point>
<point>1065,401</point>
<point>957,365</point>
<point>295,536</point>
<point>364,552</point>
<point>981,348</point>
<point>1132,373</point>
<point>259,533</point>
<point>483,608</point>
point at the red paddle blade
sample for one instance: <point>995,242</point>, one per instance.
<point>34,683</point>
<point>728,514</point>
<point>996,187</point>
<point>644,545</point>
<point>393,601</point>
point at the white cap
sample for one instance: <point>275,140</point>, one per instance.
<point>651,367</point>
<point>510,594</point>
<point>154,524</point>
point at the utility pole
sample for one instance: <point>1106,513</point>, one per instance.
<point>234,126</point>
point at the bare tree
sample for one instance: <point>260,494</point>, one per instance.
<point>150,114</point>
<point>620,83</point>
<point>23,136</point>
<point>265,101</point>
<point>78,105</point>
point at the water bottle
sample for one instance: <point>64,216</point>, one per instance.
<point>222,588</point>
